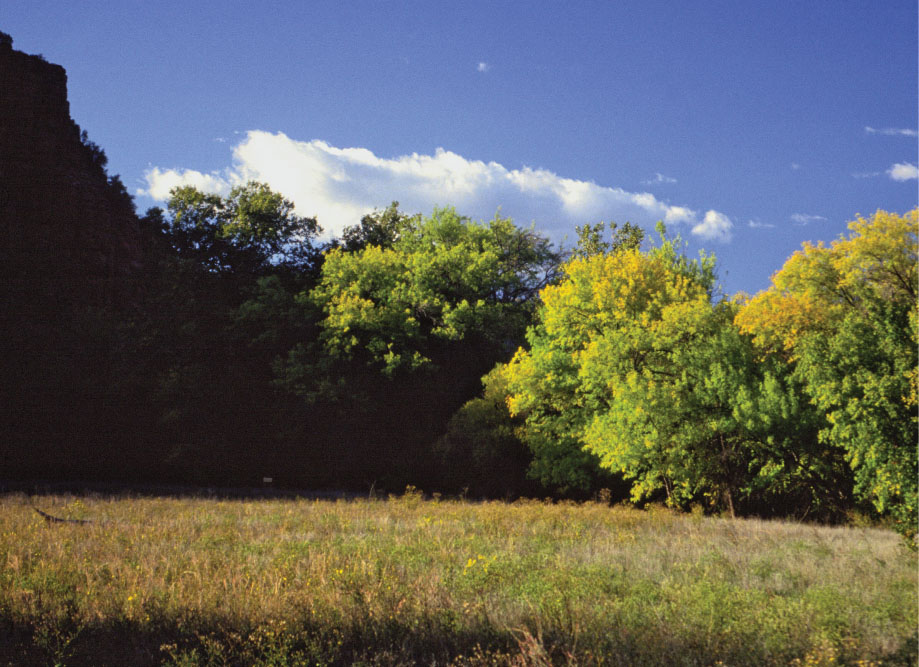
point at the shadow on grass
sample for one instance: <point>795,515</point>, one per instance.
<point>420,640</point>
<point>177,491</point>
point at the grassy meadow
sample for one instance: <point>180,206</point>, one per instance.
<point>412,581</point>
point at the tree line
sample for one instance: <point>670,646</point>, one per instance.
<point>477,357</point>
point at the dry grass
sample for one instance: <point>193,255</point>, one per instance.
<point>408,581</point>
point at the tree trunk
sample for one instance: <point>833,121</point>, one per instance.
<point>727,495</point>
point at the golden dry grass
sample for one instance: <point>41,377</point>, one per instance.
<point>408,581</point>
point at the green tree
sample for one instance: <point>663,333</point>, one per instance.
<point>251,231</point>
<point>220,272</point>
<point>846,317</point>
<point>380,228</point>
<point>407,327</point>
<point>634,367</point>
<point>482,445</point>
<point>444,279</point>
<point>590,238</point>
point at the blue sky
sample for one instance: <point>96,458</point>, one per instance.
<point>749,126</point>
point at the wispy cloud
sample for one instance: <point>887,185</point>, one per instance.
<point>903,171</point>
<point>866,174</point>
<point>756,224</point>
<point>804,218</point>
<point>892,131</point>
<point>658,179</point>
<point>795,166</point>
<point>339,185</point>
<point>483,66</point>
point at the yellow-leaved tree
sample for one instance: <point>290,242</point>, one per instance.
<point>845,315</point>
<point>635,365</point>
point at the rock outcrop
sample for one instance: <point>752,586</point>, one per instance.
<point>71,254</point>
<point>68,233</point>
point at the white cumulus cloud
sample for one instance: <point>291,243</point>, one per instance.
<point>339,185</point>
<point>161,181</point>
<point>714,226</point>
<point>903,171</point>
<point>483,66</point>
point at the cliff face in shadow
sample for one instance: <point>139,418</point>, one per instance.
<point>68,233</point>
<point>71,253</point>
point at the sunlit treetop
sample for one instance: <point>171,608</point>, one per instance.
<point>819,284</point>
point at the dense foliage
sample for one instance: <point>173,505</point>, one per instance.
<point>844,318</point>
<point>405,329</point>
<point>251,231</point>
<point>252,350</point>
<point>445,279</point>
<point>635,367</point>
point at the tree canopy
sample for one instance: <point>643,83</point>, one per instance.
<point>635,365</point>
<point>845,316</point>
<point>361,363</point>
<point>443,279</point>
<point>247,232</point>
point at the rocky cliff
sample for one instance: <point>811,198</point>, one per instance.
<point>71,253</point>
<point>68,233</point>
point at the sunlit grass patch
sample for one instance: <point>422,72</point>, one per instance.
<point>403,581</point>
